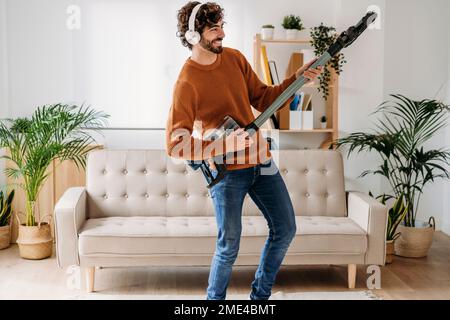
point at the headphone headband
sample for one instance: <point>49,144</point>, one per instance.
<point>193,16</point>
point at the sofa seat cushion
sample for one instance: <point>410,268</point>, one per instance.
<point>197,235</point>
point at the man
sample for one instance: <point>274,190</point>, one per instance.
<point>215,82</point>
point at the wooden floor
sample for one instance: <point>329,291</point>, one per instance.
<point>424,278</point>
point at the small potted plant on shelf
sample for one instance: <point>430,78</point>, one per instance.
<point>267,31</point>
<point>323,122</point>
<point>5,218</point>
<point>55,132</point>
<point>292,24</point>
<point>321,38</point>
<point>402,131</point>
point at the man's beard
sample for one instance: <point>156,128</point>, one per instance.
<point>208,45</point>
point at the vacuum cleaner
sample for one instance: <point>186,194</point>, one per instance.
<point>344,40</point>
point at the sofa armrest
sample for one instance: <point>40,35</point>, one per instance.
<point>70,214</point>
<point>372,216</point>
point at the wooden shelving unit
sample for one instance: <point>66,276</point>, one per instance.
<point>331,104</point>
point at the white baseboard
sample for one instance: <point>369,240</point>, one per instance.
<point>446,228</point>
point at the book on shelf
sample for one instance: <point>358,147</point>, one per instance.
<point>265,66</point>
<point>272,123</point>
<point>274,72</point>
<point>294,104</point>
<point>295,62</point>
<point>307,103</point>
<point>301,100</point>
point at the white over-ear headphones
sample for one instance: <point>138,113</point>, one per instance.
<point>192,36</point>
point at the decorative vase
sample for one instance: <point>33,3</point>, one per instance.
<point>5,236</point>
<point>414,242</point>
<point>291,34</point>
<point>267,33</point>
<point>390,251</point>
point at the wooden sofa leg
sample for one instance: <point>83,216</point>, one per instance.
<point>351,276</point>
<point>90,275</point>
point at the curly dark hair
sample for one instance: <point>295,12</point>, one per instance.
<point>208,15</point>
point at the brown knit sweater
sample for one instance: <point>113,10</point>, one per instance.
<point>205,94</point>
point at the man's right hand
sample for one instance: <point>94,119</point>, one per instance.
<point>238,140</point>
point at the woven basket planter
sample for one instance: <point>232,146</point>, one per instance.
<point>390,251</point>
<point>5,236</point>
<point>35,242</point>
<point>414,242</point>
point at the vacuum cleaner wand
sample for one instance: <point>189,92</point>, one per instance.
<point>345,39</point>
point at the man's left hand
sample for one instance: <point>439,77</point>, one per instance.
<point>310,74</point>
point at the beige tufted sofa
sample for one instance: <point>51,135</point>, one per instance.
<point>142,208</point>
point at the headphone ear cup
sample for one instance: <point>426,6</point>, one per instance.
<point>193,37</point>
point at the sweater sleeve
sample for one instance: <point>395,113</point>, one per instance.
<point>179,141</point>
<point>261,95</point>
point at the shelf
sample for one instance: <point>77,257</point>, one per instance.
<point>330,105</point>
<point>315,86</point>
<point>299,130</point>
<point>285,41</point>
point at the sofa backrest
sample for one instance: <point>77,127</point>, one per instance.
<point>149,183</point>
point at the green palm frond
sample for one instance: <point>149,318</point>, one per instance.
<point>6,208</point>
<point>403,127</point>
<point>53,132</point>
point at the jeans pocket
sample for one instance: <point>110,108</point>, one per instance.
<point>268,163</point>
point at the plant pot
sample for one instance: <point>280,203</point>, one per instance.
<point>291,34</point>
<point>390,251</point>
<point>267,33</point>
<point>414,242</point>
<point>5,237</point>
<point>35,242</point>
<point>323,125</point>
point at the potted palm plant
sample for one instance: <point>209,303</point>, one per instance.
<point>5,218</point>
<point>407,124</point>
<point>53,132</point>
<point>396,214</point>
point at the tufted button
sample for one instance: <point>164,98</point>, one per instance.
<point>146,195</point>
<point>104,171</point>
<point>306,171</point>
<point>166,172</point>
<point>125,195</point>
<point>167,195</point>
<point>307,194</point>
<point>285,171</point>
<point>105,197</point>
<point>125,171</point>
<point>207,194</point>
<point>145,171</point>
<point>324,171</point>
<point>185,172</point>
<point>186,195</point>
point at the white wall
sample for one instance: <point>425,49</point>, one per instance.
<point>361,90</point>
<point>416,65</point>
<point>4,106</point>
<point>446,198</point>
<point>49,63</point>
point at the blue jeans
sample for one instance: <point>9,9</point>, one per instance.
<point>269,193</point>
